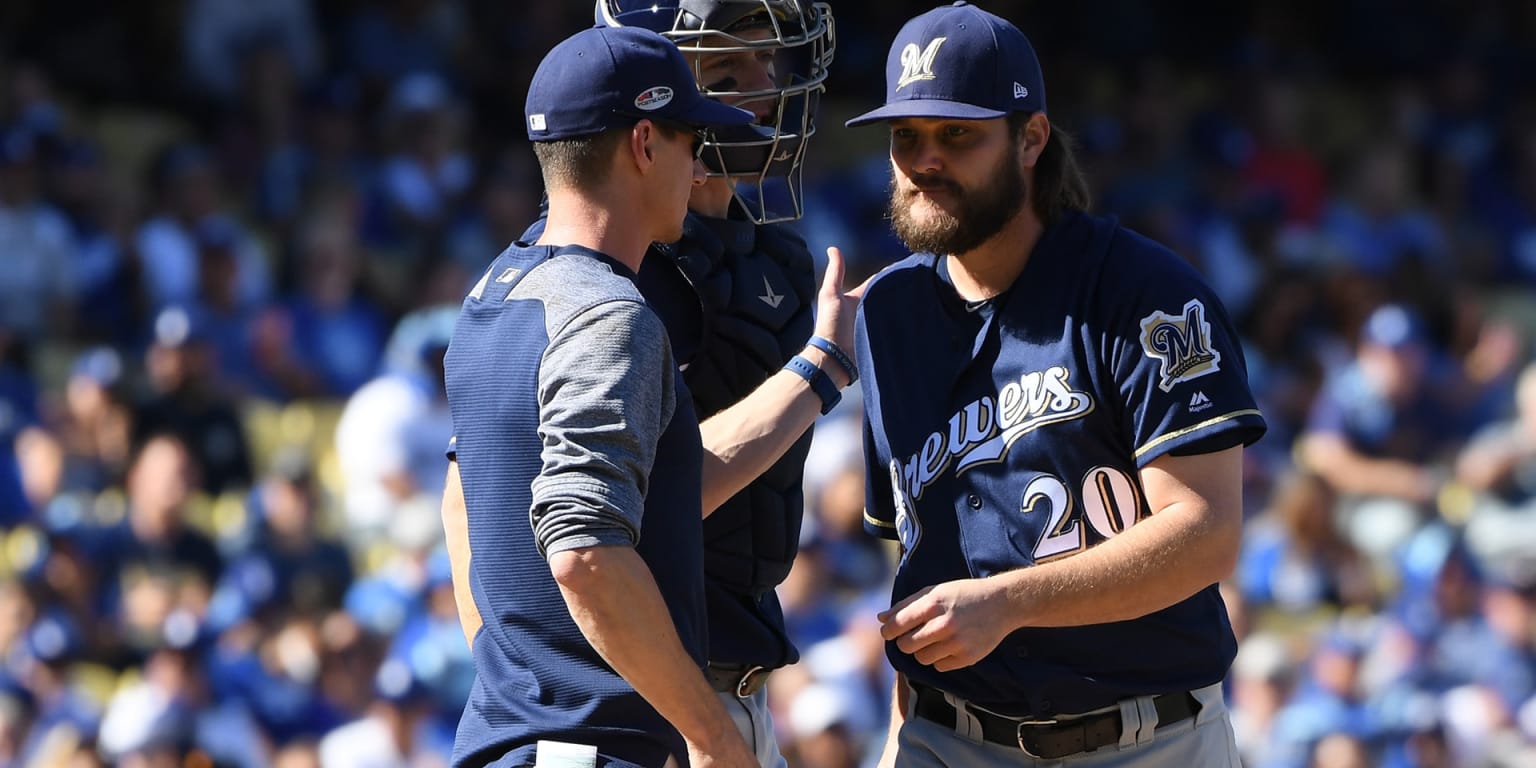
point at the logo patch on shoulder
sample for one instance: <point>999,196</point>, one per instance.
<point>1181,344</point>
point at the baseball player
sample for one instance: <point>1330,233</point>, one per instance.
<point>483,525</point>
<point>577,449</point>
<point>1055,410</point>
<point>735,293</point>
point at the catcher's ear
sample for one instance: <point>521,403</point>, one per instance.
<point>1037,131</point>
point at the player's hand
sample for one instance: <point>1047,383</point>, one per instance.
<point>949,626</point>
<point>835,307</point>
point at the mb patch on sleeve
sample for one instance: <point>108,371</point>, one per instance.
<point>1181,344</point>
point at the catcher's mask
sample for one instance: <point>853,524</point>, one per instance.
<point>801,37</point>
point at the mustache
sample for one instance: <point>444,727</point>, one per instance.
<point>931,183</point>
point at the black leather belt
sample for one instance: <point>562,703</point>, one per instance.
<point>1050,739</point>
<point>740,679</point>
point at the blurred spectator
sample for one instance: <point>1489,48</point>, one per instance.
<point>169,715</point>
<point>37,286</point>
<point>1295,558</point>
<point>275,672</point>
<point>188,191</point>
<point>1281,162</point>
<point>155,564</point>
<point>95,425</point>
<point>508,200</point>
<point>18,410</point>
<point>1261,681</point>
<point>287,565</point>
<point>106,276</point>
<point>1383,428</point>
<point>184,397</point>
<point>1503,192</point>
<point>393,434</point>
<point>385,40</point>
<point>65,714</point>
<point>324,162</point>
<point>1340,750</point>
<point>1328,700</point>
<point>327,339</point>
<point>1498,464</point>
<point>1378,225</point>
<point>427,173</point>
<point>221,35</point>
<point>388,735</point>
<point>431,642</point>
<point>824,735</point>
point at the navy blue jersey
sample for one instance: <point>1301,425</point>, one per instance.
<point>1011,433</point>
<point>603,450</point>
<point>736,299</point>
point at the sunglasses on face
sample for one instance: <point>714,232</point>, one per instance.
<point>700,135</point>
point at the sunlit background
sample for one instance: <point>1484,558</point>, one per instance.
<point>234,234</point>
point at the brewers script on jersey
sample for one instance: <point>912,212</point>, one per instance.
<point>1022,443</point>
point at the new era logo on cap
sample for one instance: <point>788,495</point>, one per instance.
<point>958,61</point>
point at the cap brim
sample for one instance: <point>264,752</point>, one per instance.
<point>926,108</point>
<point>707,113</point>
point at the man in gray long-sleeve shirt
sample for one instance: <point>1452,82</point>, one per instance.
<point>573,509</point>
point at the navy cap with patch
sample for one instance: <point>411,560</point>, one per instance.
<point>958,61</point>
<point>609,77</point>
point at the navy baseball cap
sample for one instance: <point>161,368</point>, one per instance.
<point>608,77</point>
<point>961,62</point>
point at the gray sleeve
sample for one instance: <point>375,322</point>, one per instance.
<point>606,393</point>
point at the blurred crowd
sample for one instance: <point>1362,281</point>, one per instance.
<point>234,236</point>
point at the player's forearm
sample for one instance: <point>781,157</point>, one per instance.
<point>743,441</point>
<point>615,602</point>
<point>899,694</point>
<point>456,533</point>
<point>1489,466</point>
<point>1189,542</point>
<point>1349,471</point>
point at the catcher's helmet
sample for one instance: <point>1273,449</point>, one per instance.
<point>798,32</point>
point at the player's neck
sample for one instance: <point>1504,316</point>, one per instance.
<point>992,267</point>
<point>589,222</point>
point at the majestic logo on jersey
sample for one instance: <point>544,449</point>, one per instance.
<point>984,429</point>
<point>1182,343</point>
<point>918,64</point>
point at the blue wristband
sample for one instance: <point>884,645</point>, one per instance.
<point>820,382</point>
<point>836,353</point>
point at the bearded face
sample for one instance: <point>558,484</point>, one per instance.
<point>933,213</point>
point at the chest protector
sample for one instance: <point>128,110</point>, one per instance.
<point>737,302</point>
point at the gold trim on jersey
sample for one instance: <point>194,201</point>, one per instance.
<point>877,521</point>
<point>1196,428</point>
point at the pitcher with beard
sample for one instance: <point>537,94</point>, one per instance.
<point>1055,414</point>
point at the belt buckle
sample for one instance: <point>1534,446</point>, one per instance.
<point>746,680</point>
<point>1019,735</point>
